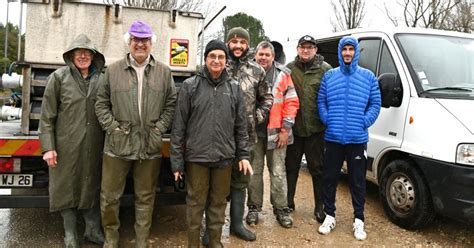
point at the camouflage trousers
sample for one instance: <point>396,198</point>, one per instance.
<point>277,170</point>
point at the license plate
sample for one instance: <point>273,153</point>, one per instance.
<point>16,180</point>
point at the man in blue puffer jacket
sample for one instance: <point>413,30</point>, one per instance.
<point>349,103</point>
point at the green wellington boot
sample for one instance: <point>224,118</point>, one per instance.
<point>93,230</point>
<point>70,228</point>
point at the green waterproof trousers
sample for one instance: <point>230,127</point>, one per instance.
<point>114,174</point>
<point>209,186</point>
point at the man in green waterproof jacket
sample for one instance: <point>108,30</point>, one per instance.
<point>135,106</point>
<point>72,139</point>
<point>306,72</point>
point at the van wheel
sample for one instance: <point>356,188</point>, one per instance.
<point>405,196</point>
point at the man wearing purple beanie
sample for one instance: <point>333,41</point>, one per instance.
<point>135,106</point>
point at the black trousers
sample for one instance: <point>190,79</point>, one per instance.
<point>313,149</point>
<point>356,158</point>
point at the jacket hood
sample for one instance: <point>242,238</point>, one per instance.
<point>82,41</point>
<point>351,68</point>
<point>280,56</point>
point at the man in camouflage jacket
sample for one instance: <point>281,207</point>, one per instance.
<point>258,101</point>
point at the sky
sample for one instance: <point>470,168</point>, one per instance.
<point>283,21</point>
<point>13,12</point>
<point>286,23</point>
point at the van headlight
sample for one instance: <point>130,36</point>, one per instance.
<point>465,154</point>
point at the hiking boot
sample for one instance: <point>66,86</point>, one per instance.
<point>252,216</point>
<point>358,228</point>
<point>328,224</point>
<point>284,218</point>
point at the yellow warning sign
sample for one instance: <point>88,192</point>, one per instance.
<point>179,52</point>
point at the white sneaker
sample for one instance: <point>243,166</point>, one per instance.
<point>328,224</point>
<point>358,228</point>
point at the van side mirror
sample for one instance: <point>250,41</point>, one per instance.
<point>391,90</point>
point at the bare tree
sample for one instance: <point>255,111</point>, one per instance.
<point>461,18</point>
<point>424,13</point>
<point>349,14</point>
<point>185,5</point>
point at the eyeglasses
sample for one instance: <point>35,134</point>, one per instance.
<point>85,53</point>
<point>306,47</point>
<point>140,40</point>
<point>214,57</point>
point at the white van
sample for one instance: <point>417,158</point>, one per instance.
<point>421,148</point>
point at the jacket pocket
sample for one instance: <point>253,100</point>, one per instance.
<point>119,141</point>
<point>155,142</point>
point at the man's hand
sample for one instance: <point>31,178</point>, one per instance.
<point>282,138</point>
<point>51,158</point>
<point>245,167</point>
<point>178,175</point>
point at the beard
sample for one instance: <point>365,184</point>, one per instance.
<point>244,52</point>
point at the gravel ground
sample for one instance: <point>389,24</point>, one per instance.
<point>39,228</point>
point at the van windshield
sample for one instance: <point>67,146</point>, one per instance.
<point>442,65</point>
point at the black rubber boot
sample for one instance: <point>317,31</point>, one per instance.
<point>291,182</point>
<point>237,205</point>
<point>318,199</point>
<point>205,238</point>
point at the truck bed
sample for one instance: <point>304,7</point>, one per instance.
<point>11,130</point>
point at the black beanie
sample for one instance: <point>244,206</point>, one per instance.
<point>216,45</point>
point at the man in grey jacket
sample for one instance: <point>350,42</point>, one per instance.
<point>274,134</point>
<point>209,133</point>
